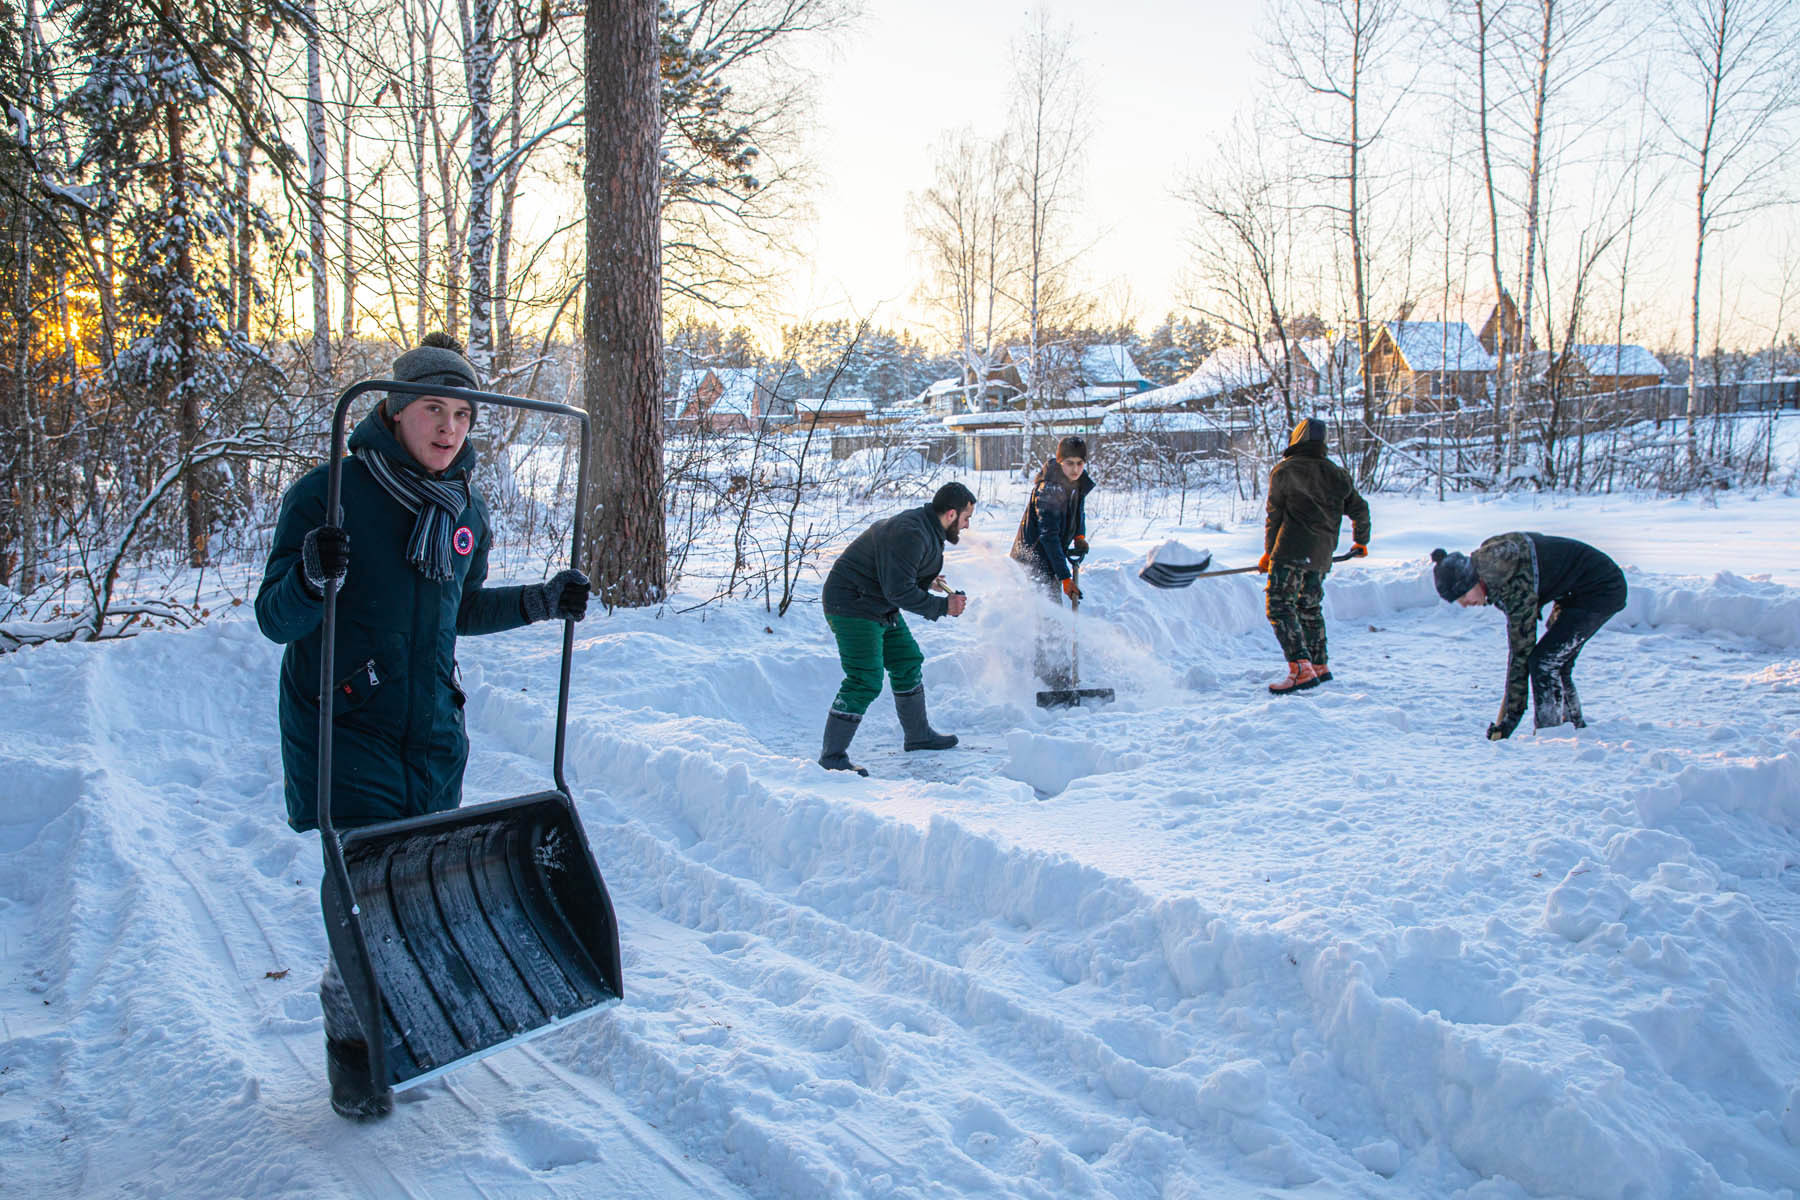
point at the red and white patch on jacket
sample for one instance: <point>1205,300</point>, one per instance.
<point>464,540</point>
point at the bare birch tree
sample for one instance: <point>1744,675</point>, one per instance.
<point>1244,244</point>
<point>315,198</point>
<point>1049,135</point>
<point>1739,64</point>
<point>963,227</point>
<point>1335,52</point>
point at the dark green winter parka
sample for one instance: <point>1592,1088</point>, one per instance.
<point>398,746</point>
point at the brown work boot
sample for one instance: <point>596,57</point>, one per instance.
<point>1300,676</point>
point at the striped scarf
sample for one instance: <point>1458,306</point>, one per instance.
<point>438,502</point>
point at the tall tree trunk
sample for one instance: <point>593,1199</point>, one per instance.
<point>23,486</point>
<point>347,321</point>
<point>509,194</point>
<point>185,314</point>
<point>242,284</point>
<point>106,276</point>
<point>420,98</point>
<point>1502,342</point>
<point>1371,449</point>
<point>315,203</point>
<point>478,71</point>
<point>1702,219</point>
<point>1534,179</point>
<point>622,316</point>
<point>443,151</point>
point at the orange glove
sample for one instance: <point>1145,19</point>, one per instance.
<point>1359,550</point>
<point>1262,564</point>
<point>1070,590</point>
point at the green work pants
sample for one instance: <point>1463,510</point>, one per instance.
<point>866,648</point>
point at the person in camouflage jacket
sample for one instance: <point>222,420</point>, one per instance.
<point>1519,573</point>
<point>1309,496</point>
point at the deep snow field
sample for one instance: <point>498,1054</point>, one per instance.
<point>1202,943</point>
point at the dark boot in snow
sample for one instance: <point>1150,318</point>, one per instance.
<point>1300,676</point>
<point>840,728</point>
<point>1321,673</point>
<point>914,724</point>
<point>353,1092</point>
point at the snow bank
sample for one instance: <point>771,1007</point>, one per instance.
<point>1726,604</point>
<point>1204,941</point>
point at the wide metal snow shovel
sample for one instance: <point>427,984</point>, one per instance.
<point>461,932</point>
<point>1074,696</point>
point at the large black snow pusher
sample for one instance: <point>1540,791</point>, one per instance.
<point>461,932</point>
<point>1074,696</point>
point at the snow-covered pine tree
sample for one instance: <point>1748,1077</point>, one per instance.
<point>156,122</point>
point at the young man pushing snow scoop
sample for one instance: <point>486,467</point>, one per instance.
<point>407,553</point>
<point>1519,573</point>
<point>890,566</point>
<point>1052,542</point>
<point>1309,495</point>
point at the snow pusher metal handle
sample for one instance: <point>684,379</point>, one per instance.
<point>477,926</point>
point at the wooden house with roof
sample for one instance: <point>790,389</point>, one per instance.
<point>1608,367</point>
<point>1430,366</point>
<point>1482,312</point>
<point>724,399</point>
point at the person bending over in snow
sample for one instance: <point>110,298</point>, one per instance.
<point>1309,495</point>
<point>408,551</point>
<point>1519,573</point>
<point>1052,539</point>
<point>891,565</point>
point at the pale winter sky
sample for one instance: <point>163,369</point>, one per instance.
<point>1166,77</point>
<point>1162,73</point>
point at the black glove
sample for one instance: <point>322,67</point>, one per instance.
<point>324,556</point>
<point>563,596</point>
<point>1079,550</point>
<point>1498,732</point>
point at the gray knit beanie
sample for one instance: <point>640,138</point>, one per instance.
<point>438,359</point>
<point>1453,574</point>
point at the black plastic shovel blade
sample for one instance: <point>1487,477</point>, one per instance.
<point>1074,697</point>
<point>484,925</point>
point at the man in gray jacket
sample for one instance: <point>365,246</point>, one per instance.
<point>892,565</point>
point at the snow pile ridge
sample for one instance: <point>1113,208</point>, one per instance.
<point>1726,603</point>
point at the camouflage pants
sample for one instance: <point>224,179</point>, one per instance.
<point>1293,600</point>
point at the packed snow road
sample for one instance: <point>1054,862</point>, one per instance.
<point>1203,942</point>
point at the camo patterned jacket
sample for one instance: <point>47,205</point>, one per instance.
<point>1507,564</point>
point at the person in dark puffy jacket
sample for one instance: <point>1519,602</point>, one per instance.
<point>1051,542</point>
<point>894,564</point>
<point>1309,496</point>
<point>408,552</point>
<point>1519,573</point>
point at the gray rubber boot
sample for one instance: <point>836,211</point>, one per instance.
<point>840,729</point>
<point>913,722</point>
